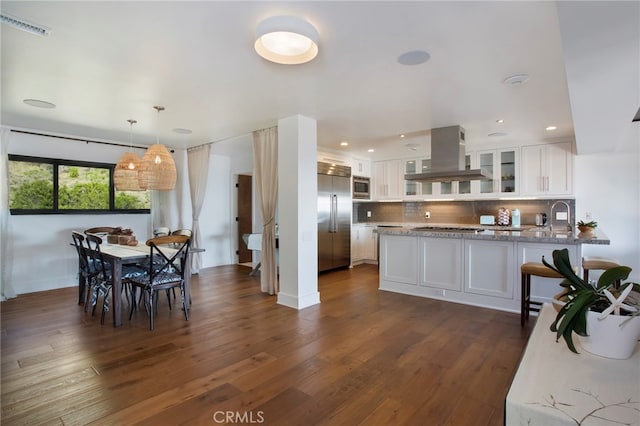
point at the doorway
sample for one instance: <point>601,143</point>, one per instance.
<point>245,209</point>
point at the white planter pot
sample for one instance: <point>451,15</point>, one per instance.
<point>606,337</point>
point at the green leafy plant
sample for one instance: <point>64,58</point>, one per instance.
<point>581,297</point>
<point>592,224</point>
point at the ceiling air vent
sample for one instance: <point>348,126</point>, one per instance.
<point>23,25</point>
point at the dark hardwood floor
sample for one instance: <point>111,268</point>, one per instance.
<point>362,356</point>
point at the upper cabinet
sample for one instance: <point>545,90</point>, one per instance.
<point>361,167</point>
<point>386,180</point>
<point>547,169</point>
<point>503,165</point>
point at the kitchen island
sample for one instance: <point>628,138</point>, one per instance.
<point>475,265</point>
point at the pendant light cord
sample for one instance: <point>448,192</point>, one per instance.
<point>158,108</point>
<point>131,123</point>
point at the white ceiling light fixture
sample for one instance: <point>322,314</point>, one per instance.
<point>414,57</point>
<point>344,143</point>
<point>287,40</point>
<point>550,128</point>
<point>516,79</point>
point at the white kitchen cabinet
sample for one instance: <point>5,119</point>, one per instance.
<point>386,180</point>
<point>547,169</point>
<point>440,263</point>
<point>503,165</point>
<point>364,244</point>
<point>360,167</point>
<point>543,289</point>
<point>399,259</point>
<point>489,268</point>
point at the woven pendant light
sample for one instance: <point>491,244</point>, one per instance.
<point>125,175</point>
<point>157,168</point>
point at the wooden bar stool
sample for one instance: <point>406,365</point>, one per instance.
<point>528,269</point>
<point>594,262</point>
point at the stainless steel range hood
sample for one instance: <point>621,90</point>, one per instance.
<point>447,158</point>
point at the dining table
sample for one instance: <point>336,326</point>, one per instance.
<point>118,255</point>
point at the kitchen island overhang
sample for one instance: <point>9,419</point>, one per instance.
<point>475,268</point>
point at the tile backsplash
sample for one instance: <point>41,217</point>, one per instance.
<point>461,212</point>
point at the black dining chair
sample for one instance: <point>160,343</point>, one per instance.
<point>86,272</point>
<point>102,283</point>
<point>166,270</point>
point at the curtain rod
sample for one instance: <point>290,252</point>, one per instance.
<point>226,139</point>
<point>81,140</point>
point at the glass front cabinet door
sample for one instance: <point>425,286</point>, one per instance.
<point>503,166</point>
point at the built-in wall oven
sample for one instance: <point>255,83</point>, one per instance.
<point>361,188</point>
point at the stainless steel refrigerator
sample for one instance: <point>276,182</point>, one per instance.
<point>334,216</point>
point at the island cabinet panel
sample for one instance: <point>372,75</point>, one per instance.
<point>399,259</point>
<point>543,289</point>
<point>440,263</point>
<point>489,268</point>
<point>364,244</point>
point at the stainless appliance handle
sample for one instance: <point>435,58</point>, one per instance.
<point>334,208</point>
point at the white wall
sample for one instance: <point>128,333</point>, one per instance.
<point>608,186</point>
<point>43,258</point>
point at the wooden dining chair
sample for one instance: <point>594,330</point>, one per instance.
<point>166,270</point>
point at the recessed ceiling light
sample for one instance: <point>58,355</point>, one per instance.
<point>414,57</point>
<point>550,128</point>
<point>402,135</point>
<point>497,134</point>
<point>371,150</point>
<point>516,79</point>
<point>344,143</point>
<point>500,121</point>
<point>38,103</point>
<point>182,131</point>
<point>287,40</point>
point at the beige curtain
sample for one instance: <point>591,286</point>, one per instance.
<point>6,253</point>
<point>198,160</point>
<point>265,160</point>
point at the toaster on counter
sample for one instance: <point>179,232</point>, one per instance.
<point>487,219</point>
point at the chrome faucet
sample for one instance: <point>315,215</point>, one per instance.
<point>568,214</point>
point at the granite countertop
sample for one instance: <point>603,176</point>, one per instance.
<point>524,233</point>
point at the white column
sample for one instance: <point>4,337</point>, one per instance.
<point>298,212</point>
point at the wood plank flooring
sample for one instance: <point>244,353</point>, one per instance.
<point>361,357</point>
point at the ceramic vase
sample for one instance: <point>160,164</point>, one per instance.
<point>607,338</point>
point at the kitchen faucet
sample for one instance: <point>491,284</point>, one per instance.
<point>568,214</point>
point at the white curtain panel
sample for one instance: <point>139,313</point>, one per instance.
<point>6,257</point>
<point>265,160</point>
<point>198,165</point>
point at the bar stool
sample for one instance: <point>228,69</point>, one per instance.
<point>527,270</point>
<point>594,262</point>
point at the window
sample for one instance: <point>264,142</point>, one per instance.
<point>53,186</point>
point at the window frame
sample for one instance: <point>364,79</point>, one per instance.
<point>57,162</point>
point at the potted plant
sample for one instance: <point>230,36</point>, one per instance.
<point>589,310</point>
<point>587,227</point>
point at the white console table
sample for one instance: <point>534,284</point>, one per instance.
<point>554,386</point>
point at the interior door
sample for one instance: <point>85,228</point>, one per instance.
<point>245,207</point>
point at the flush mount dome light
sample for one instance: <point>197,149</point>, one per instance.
<point>286,40</point>
<point>414,57</point>
<point>516,79</point>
